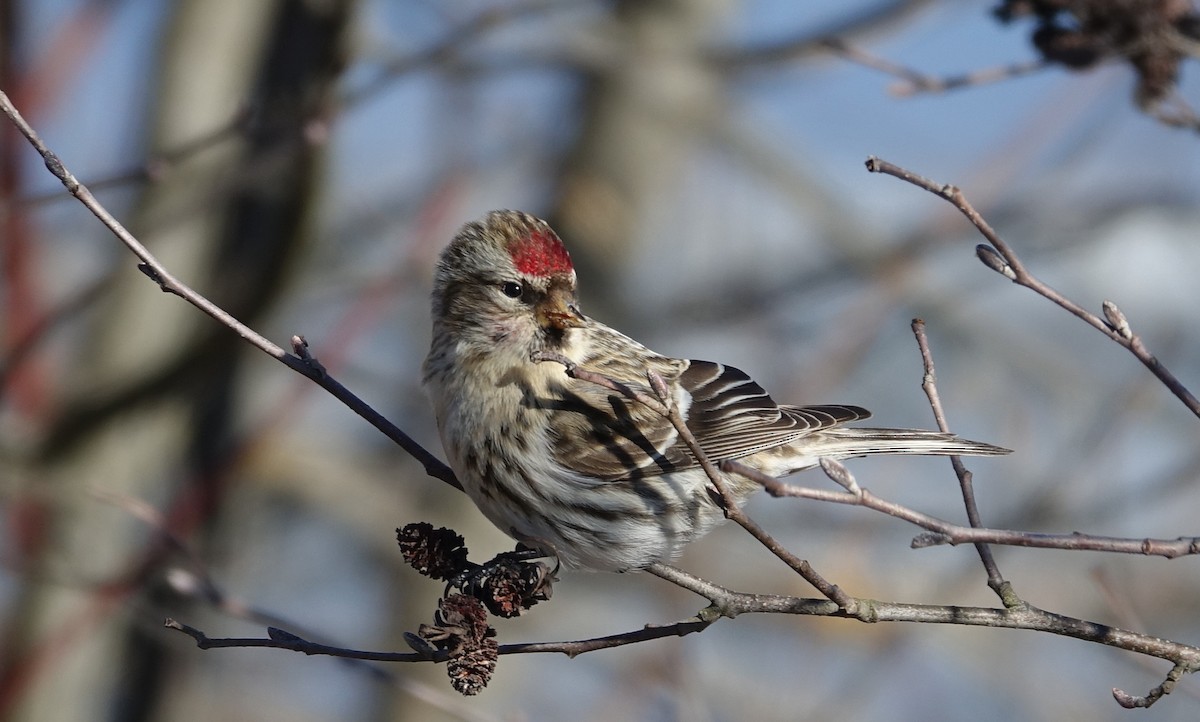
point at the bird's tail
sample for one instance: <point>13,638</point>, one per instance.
<point>846,443</point>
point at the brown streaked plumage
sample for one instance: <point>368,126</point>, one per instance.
<point>598,480</point>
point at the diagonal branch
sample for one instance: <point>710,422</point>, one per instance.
<point>663,404</point>
<point>1001,258</point>
<point>300,362</point>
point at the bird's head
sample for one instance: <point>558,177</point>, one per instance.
<point>507,280</point>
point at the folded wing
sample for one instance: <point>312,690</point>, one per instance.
<point>607,436</point>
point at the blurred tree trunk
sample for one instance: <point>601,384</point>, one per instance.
<point>151,417</point>
<point>640,117</point>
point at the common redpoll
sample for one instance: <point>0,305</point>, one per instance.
<point>568,466</point>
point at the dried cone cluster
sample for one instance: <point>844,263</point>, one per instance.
<point>437,553</point>
<point>1154,36</point>
<point>508,587</point>
<point>461,630</point>
<point>505,586</point>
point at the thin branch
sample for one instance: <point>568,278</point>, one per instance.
<point>1072,541</point>
<point>281,639</point>
<point>1001,258</point>
<point>873,19</point>
<point>725,497</point>
<point>915,83</point>
<point>463,37</point>
<point>645,634</point>
<point>735,513</point>
<point>965,478</point>
<point>300,362</point>
<point>663,404</point>
<point>946,532</point>
<point>911,81</point>
<point>1023,616</point>
<point>1129,701</point>
<point>434,466</point>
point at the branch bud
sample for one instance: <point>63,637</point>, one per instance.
<point>993,260</point>
<point>837,471</point>
<point>1117,321</point>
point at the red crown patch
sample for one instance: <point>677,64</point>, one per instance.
<point>540,253</point>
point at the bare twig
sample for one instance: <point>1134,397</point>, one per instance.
<point>664,405</point>
<point>1023,616</point>
<point>834,469</point>
<point>728,503</point>
<point>965,478</point>
<point>1129,701</point>
<point>300,362</point>
<point>281,639</point>
<point>1001,258</point>
<point>460,38</point>
<point>872,19</point>
<point>915,83</point>
<point>1072,541</point>
<point>945,532</point>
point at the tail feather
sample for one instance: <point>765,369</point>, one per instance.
<point>845,443</point>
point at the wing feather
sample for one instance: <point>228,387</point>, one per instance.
<point>732,416</point>
<point>605,436</point>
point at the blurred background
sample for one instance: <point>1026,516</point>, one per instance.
<point>301,162</point>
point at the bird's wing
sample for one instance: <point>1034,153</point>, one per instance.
<point>605,435</point>
<point>732,416</point>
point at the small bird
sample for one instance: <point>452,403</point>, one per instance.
<point>577,470</point>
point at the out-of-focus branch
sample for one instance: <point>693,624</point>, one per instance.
<point>151,169</point>
<point>914,82</point>
<point>444,53</point>
<point>871,20</point>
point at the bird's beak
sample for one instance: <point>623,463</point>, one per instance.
<point>559,312</point>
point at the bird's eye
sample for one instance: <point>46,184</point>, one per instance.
<point>512,289</point>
